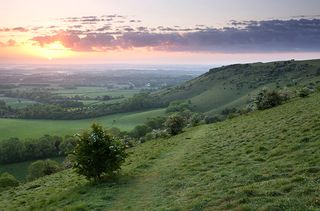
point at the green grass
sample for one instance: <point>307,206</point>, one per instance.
<point>20,170</point>
<point>266,160</point>
<point>17,103</point>
<point>35,128</point>
<point>233,85</point>
<point>96,91</point>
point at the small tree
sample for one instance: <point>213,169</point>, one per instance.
<point>97,153</point>
<point>174,124</point>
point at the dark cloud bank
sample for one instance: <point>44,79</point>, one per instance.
<point>302,35</point>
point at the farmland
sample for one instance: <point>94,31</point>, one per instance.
<point>35,128</point>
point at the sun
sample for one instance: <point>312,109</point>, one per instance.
<point>51,51</point>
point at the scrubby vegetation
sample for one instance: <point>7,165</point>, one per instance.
<point>268,99</point>
<point>42,168</point>
<point>265,160</point>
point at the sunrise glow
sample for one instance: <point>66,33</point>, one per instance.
<point>122,32</point>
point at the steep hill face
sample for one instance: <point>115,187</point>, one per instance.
<point>267,160</point>
<point>233,85</point>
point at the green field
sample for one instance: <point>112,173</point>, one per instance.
<point>17,103</point>
<point>96,91</point>
<point>36,128</point>
<point>20,170</point>
<point>265,160</point>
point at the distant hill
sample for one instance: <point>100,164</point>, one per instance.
<point>264,160</point>
<point>233,85</point>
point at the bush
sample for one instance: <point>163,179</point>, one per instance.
<point>174,124</point>
<point>140,131</point>
<point>157,134</point>
<point>97,153</point>
<point>8,180</point>
<point>178,106</point>
<point>304,92</point>
<point>156,122</point>
<point>196,119</point>
<point>211,119</point>
<point>42,168</point>
<point>267,99</point>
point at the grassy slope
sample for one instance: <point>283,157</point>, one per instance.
<point>231,86</point>
<point>36,128</point>
<point>266,160</point>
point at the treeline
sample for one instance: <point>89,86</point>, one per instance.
<point>16,150</point>
<point>75,110</point>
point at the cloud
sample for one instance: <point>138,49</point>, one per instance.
<point>15,29</point>
<point>9,43</point>
<point>248,36</point>
<point>19,29</point>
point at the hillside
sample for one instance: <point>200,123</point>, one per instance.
<point>233,85</point>
<point>267,159</point>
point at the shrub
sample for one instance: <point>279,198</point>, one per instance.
<point>304,92</point>
<point>140,131</point>
<point>178,106</point>
<point>211,119</point>
<point>174,124</point>
<point>267,99</point>
<point>97,153</point>
<point>42,168</point>
<point>157,134</point>
<point>156,122</point>
<point>196,119</point>
<point>8,180</point>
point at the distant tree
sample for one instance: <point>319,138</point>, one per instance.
<point>68,145</point>
<point>97,153</point>
<point>11,150</point>
<point>42,168</point>
<point>174,124</point>
<point>156,122</point>
<point>106,98</point>
<point>140,131</point>
<point>178,106</point>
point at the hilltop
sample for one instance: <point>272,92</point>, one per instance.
<point>266,160</point>
<point>233,86</point>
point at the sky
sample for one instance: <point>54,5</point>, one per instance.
<point>158,31</point>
